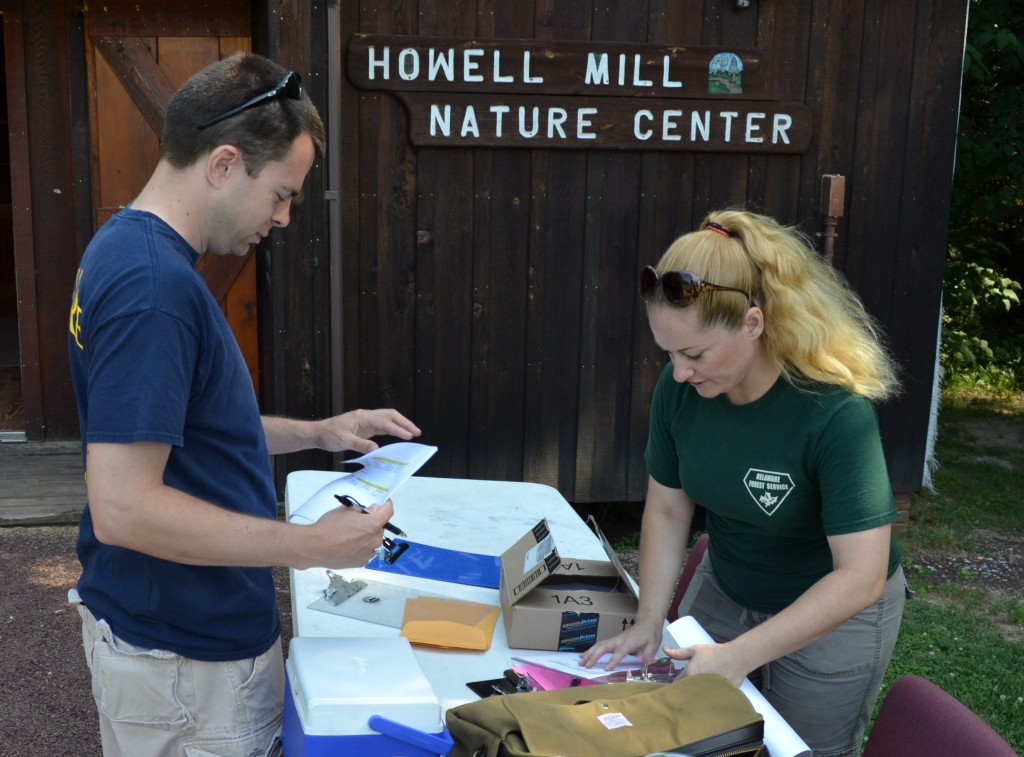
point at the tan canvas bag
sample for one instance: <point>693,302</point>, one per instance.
<point>701,715</point>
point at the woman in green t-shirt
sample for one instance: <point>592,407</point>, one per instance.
<point>765,417</point>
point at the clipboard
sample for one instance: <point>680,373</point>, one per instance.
<point>440,564</point>
<point>377,602</point>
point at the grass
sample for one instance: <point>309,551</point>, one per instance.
<point>967,656</point>
<point>956,632</point>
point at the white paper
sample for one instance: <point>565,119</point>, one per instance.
<point>383,471</point>
<point>569,662</point>
<point>780,739</point>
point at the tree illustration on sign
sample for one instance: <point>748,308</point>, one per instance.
<point>725,74</point>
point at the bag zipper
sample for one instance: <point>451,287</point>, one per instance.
<point>737,741</point>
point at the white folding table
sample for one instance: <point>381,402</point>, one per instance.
<point>483,517</point>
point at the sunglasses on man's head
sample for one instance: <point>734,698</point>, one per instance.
<point>680,288</point>
<point>290,86</point>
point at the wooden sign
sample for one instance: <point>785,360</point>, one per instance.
<point>591,95</point>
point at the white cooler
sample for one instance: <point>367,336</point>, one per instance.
<point>360,696</point>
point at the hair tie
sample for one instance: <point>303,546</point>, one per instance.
<point>719,229</point>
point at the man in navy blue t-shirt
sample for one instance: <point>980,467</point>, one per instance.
<point>180,620</point>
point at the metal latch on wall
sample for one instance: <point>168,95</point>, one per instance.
<point>833,198</point>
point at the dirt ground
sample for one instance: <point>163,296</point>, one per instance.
<point>46,705</point>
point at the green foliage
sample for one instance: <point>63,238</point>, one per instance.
<point>989,183</point>
<point>983,323</point>
<point>997,379</point>
<point>627,542</point>
<point>977,300</point>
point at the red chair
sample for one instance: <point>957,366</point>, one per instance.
<point>918,719</point>
<point>692,561</point>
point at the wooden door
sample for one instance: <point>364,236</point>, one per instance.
<point>136,61</point>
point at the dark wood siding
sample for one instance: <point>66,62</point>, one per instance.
<point>41,41</point>
<point>489,293</point>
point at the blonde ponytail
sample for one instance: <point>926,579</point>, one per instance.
<point>816,328</point>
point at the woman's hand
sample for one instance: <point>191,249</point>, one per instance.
<point>709,658</point>
<point>641,639</point>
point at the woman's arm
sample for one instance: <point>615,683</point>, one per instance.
<point>663,536</point>
<point>857,580</point>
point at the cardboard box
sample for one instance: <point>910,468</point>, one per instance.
<point>365,696</point>
<point>564,604</point>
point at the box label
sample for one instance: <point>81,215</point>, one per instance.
<point>578,631</point>
<point>538,553</point>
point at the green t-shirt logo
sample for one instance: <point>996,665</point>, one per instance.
<point>768,488</point>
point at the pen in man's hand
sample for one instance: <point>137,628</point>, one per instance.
<point>350,501</point>
<point>394,529</point>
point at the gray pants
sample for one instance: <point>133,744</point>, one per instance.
<point>156,703</point>
<point>827,690</point>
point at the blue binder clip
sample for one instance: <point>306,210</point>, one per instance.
<point>391,550</point>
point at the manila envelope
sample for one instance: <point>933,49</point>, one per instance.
<point>443,622</point>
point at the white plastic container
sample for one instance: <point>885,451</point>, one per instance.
<point>360,696</point>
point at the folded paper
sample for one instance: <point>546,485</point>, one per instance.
<point>383,471</point>
<point>569,664</point>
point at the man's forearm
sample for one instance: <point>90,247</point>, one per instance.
<point>289,435</point>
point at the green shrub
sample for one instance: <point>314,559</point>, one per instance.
<point>983,325</point>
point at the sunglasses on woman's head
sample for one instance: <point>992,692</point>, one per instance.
<point>680,288</point>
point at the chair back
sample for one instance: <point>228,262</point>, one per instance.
<point>918,719</point>
<point>689,568</point>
